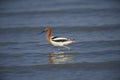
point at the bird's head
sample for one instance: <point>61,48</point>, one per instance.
<point>47,29</point>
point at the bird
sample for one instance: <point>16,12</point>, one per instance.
<point>57,41</point>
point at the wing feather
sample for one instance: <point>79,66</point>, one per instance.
<point>59,39</point>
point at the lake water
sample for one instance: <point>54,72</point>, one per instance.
<point>26,55</point>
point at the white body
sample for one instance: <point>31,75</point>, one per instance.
<point>61,43</point>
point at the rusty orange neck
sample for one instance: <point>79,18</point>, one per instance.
<point>48,34</point>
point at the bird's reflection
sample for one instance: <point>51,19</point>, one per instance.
<point>58,57</point>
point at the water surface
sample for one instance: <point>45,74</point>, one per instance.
<point>25,54</point>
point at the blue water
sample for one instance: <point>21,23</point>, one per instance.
<point>26,55</point>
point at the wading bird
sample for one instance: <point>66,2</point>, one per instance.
<point>57,40</point>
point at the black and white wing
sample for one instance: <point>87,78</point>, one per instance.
<point>58,39</point>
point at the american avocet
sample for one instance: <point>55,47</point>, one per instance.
<point>57,40</point>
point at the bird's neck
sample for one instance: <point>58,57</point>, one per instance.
<point>48,36</point>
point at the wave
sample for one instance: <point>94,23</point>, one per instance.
<point>8,43</point>
<point>73,28</point>
<point>110,42</point>
<point>109,64</point>
<point>57,10</point>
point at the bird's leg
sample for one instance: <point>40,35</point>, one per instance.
<point>67,47</point>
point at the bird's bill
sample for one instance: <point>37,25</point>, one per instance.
<point>42,32</point>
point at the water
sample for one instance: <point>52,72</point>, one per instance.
<point>25,54</point>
